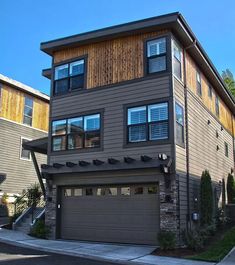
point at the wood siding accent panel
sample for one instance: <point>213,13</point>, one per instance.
<point>20,173</point>
<point>12,108</point>
<point>112,100</point>
<point>111,61</point>
<point>225,114</point>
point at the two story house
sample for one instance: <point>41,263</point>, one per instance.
<point>24,114</point>
<point>137,112</point>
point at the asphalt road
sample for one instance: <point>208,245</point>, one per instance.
<point>12,255</point>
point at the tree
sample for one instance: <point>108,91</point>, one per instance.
<point>230,189</point>
<point>206,198</point>
<point>229,80</point>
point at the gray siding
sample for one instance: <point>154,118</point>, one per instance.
<point>112,100</point>
<point>20,173</point>
<point>203,153</point>
<point>180,160</point>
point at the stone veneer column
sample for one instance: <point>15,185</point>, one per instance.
<point>50,213</point>
<point>169,219</point>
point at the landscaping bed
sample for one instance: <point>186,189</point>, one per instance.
<point>215,249</point>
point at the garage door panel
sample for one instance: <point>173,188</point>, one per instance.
<point>120,218</point>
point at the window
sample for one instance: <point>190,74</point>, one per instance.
<point>156,55</point>
<point>217,111</point>
<point>152,190</point>
<point>89,191</point>
<point>226,149</point>
<point>67,192</point>
<point>69,77</point>
<point>147,123</point>
<point>24,154</point>
<point>199,85</point>
<point>112,191</point>
<point>77,192</point>
<point>100,192</point>
<point>210,91</point>
<point>179,113</point>
<point>126,191</point>
<point>138,190</point>
<point>76,133</point>
<point>177,60</point>
<point>28,110</point>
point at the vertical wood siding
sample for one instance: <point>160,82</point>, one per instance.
<point>111,61</point>
<point>226,116</point>
<point>12,108</point>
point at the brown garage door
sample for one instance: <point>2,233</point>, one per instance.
<point>124,214</point>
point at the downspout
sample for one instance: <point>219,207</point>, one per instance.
<point>187,134</point>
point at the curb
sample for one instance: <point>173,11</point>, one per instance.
<point>230,252</point>
<point>64,252</point>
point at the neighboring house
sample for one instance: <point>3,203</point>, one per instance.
<point>138,111</point>
<point>24,114</point>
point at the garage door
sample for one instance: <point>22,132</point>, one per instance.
<point>124,214</point>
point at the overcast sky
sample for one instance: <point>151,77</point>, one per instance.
<point>26,23</point>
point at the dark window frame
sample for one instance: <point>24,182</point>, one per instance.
<point>29,107</point>
<point>199,84</point>
<point>146,58</point>
<point>22,149</point>
<point>66,135</point>
<point>217,106</point>
<point>175,43</point>
<point>226,150</point>
<point>68,78</point>
<point>147,124</point>
<point>210,91</point>
<point>182,144</point>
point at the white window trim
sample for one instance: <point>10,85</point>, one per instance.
<point>21,140</point>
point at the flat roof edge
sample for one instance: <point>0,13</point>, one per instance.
<point>23,87</point>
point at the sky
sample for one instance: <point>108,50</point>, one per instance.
<point>26,23</point>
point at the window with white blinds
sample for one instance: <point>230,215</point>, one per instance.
<point>156,55</point>
<point>147,123</point>
<point>177,60</point>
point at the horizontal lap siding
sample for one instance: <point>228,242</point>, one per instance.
<point>20,173</point>
<point>112,100</point>
<point>181,161</point>
<point>203,143</point>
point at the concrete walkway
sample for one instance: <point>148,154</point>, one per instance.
<point>229,259</point>
<point>122,254</point>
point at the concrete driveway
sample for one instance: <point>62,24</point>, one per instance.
<point>104,251</point>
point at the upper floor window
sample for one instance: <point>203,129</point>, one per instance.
<point>147,123</point>
<point>28,111</point>
<point>210,91</point>
<point>179,113</point>
<point>226,149</point>
<point>156,55</point>
<point>69,77</point>
<point>76,133</point>
<point>177,60</point>
<point>24,154</point>
<point>217,106</point>
<point>199,84</point>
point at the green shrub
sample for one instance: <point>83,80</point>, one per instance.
<point>230,189</point>
<point>40,230</point>
<point>166,240</point>
<point>33,194</point>
<point>194,239</point>
<point>206,199</point>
